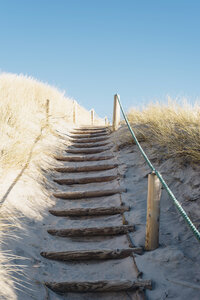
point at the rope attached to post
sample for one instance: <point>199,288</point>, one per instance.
<point>164,184</point>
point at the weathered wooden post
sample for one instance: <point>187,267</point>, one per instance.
<point>74,112</point>
<point>116,113</point>
<point>47,113</point>
<point>92,116</point>
<point>153,212</point>
<point>106,121</point>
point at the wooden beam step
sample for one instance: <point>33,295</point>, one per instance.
<point>84,158</point>
<point>91,128</point>
<point>98,286</point>
<point>85,180</point>
<point>92,231</point>
<point>90,145</point>
<point>89,131</point>
<point>89,135</point>
<point>86,168</point>
<point>90,140</point>
<point>89,254</point>
<point>88,194</point>
<point>96,211</point>
<point>86,151</point>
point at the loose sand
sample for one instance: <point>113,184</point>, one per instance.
<point>173,267</point>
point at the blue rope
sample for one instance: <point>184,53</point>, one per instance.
<point>164,184</point>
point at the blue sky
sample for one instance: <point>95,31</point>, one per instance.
<point>143,50</point>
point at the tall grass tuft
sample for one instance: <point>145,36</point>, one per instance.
<point>172,129</point>
<point>27,146</point>
<point>23,115</point>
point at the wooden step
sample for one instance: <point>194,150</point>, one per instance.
<point>90,140</point>
<point>90,145</point>
<point>89,135</point>
<point>98,286</point>
<point>85,180</point>
<point>92,231</point>
<point>84,158</point>
<point>86,151</point>
<point>102,254</point>
<point>88,194</point>
<point>79,132</point>
<point>86,168</point>
<point>91,128</point>
<point>96,211</point>
<point>89,131</point>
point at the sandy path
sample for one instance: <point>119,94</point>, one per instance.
<point>173,267</point>
<point>32,237</point>
<point>91,270</point>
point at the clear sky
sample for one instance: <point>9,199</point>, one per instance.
<point>141,49</point>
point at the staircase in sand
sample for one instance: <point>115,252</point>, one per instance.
<point>87,189</point>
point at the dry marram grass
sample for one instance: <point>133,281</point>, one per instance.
<point>172,129</point>
<point>26,146</point>
<point>23,114</point>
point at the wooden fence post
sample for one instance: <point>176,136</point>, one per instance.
<point>92,116</point>
<point>74,112</point>
<point>47,113</point>
<point>106,121</point>
<point>153,212</point>
<point>116,113</point>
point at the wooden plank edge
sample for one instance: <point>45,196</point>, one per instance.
<point>98,286</point>
<point>92,231</point>
<point>85,180</point>
<point>96,254</point>
<point>87,194</point>
<point>97,211</point>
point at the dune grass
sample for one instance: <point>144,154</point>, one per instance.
<point>172,129</point>
<point>23,115</point>
<point>26,146</point>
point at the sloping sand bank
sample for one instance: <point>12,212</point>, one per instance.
<point>173,267</point>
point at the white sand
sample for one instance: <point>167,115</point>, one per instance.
<point>173,267</point>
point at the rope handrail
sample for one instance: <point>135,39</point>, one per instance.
<point>164,184</point>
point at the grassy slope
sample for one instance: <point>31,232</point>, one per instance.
<point>172,129</point>
<point>170,136</point>
<point>23,114</point>
<point>26,138</point>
